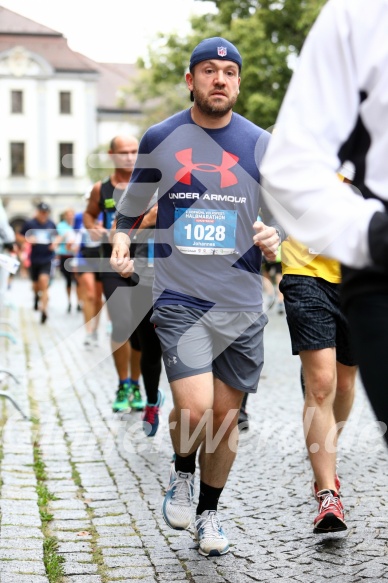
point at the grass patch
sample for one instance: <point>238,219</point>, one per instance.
<point>46,516</point>
<point>76,477</point>
<point>98,556</point>
<point>39,467</point>
<point>52,561</point>
<point>44,495</point>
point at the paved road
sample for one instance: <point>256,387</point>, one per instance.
<point>109,479</point>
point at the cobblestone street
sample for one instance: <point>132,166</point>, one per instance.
<point>104,480</point>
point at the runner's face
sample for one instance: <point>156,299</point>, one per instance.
<point>69,217</point>
<point>42,216</point>
<point>124,154</point>
<point>215,86</point>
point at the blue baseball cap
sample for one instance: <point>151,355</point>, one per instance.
<point>215,48</point>
<point>42,206</point>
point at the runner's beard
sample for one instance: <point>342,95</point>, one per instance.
<point>217,108</point>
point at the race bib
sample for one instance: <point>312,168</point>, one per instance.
<point>205,231</point>
<point>43,236</point>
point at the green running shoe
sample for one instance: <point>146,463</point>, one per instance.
<point>135,400</point>
<point>121,403</point>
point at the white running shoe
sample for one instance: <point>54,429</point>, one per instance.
<point>88,342</point>
<point>177,504</point>
<point>212,540</point>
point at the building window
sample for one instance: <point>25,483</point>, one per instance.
<point>65,102</point>
<point>66,159</point>
<point>17,159</point>
<point>16,101</point>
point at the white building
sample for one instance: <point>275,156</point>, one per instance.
<point>57,106</point>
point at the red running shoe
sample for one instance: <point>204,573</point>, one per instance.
<point>330,513</point>
<point>314,487</point>
<point>151,415</point>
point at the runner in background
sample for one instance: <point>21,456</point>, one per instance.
<point>40,232</point>
<point>129,301</point>
<point>63,245</point>
<point>88,277</point>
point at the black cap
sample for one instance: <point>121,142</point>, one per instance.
<point>42,206</point>
<point>215,48</point>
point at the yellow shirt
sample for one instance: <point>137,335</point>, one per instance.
<point>297,259</point>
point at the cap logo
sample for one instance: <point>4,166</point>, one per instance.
<point>222,51</point>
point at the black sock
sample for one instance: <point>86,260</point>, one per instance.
<point>208,497</point>
<point>244,402</point>
<point>185,464</point>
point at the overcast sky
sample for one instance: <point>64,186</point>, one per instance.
<point>113,31</point>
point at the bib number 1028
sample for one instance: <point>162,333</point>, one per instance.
<point>205,233</point>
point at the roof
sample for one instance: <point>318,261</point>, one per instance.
<point>17,30</point>
<point>13,23</point>
<point>113,77</point>
<point>54,50</point>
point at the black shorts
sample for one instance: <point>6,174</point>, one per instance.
<point>314,316</point>
<point>228,344</point>
<point>88,261</point>
<point>66,271</point>
<point>37,269</point>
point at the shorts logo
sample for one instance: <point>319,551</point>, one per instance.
<point>185,157</point>
<point>222,51</point>
<point>172,360</point>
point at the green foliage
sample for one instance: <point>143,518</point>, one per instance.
<point>52,561</point>
<point>269,35</point>
<point>44,495</point>
<point>39,467</point>
<point>46,516</point>
<point>229,10</point>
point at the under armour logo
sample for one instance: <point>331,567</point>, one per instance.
<point>172,360</point>
<point>185,157</point>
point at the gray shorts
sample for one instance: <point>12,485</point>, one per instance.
<point>228,344</point>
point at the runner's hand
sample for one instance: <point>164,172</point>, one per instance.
<point>267,239</point>
<point>120,259</point>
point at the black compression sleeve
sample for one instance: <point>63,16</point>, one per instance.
<point>125,223</point>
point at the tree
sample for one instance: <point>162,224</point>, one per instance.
<point>269,35</point>
<point>270,41</point>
